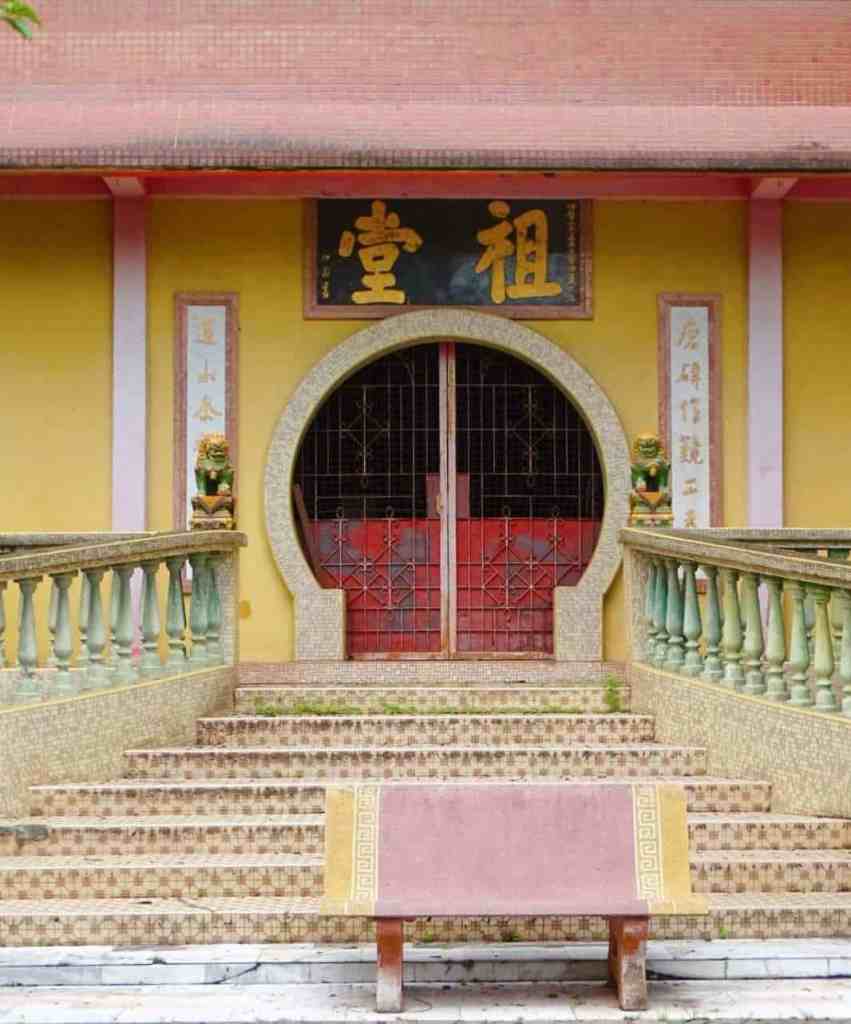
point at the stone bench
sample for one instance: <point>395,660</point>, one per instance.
<point>400,851</point>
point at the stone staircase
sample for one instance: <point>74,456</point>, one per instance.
<point>223,842</point>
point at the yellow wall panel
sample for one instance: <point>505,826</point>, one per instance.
<point>56,366</point>
<point>817,367</point>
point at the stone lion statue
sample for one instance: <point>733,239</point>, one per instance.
<point>650,498</point>
<point>213,471</point>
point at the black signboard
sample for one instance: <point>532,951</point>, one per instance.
<point>523,257</point>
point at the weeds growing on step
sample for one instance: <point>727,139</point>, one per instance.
<point>612,696</point>
<point>332,708</point>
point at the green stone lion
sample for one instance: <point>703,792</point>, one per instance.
<point>213,471</point>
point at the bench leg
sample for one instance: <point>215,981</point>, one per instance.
<point>388,992</point>
<point>628,960</point>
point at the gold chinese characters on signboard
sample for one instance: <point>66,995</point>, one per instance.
<point>523,257</point>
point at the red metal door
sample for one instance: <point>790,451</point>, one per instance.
<point>448,489</point>
<point>533,500</point>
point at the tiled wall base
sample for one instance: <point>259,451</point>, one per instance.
<point>254,920</point>
<point>425,673</point>
<point>83,738</point>
<point>805,755</point>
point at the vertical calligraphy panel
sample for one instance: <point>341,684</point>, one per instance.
<point>206,331</point>
<point>690,405</point>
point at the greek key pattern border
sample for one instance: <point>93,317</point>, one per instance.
<point>366,844</point>
<point>648,843</point>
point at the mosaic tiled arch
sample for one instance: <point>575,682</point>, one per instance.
<point>320,614</point>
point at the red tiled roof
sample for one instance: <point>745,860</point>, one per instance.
<point>738,84</point>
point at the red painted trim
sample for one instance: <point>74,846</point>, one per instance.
<point>697,187</point>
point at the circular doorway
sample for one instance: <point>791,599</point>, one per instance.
<point>447,489</point>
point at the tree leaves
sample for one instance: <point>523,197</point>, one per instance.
<point>19,16</point>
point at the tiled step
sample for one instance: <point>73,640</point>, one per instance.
<point>292,875</point>
<point>403,763</point>
<point>771,871</point>
<point>376,699</point>
<point>767,832</point>
<point>116,837</point>
<point>264,919</point>
<point>179,876</point>
<point>423,730</point>
<point>260,834</point>
<point>267,796</point>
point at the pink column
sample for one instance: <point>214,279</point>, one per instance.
<point>765,364</point>
<point>129,366</point>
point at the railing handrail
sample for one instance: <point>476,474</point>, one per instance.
<point>724,553</point>
<point>110,552</point>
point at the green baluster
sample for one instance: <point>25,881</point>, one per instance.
<point>799,648</point>
<point>66,685</point>
<point>3,661</point>
<point>198,609</point>
<point>97,673</point>
<point>823,662</point>
<point>114,613</point>
<point>150,664</point>
<point>125,671</point>
<point>713,669</point>
<point>83,621</point>
<point>845,654</point>
<point>692,626</point>
<point>674,618</point>
<point>810,616</point>
<point>754,642</point>
<point>175,622</point>
<point>51,622</point>
<point>215,651</point>
<point>28,688</point>
<point>775,649</point>
<point>649,609</point>
<point>660,613</point>
<point>732,635</point>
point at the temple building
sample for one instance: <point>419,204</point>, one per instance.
<point>514,340</point>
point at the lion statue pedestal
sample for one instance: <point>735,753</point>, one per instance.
<point>213,506</point>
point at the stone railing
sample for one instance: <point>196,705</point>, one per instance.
<point>82,641</point>
<point>761,612</point>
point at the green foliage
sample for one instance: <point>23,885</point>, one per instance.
<point>612,696</point>
<point>19,16</point>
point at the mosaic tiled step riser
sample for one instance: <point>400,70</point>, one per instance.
<point>274,835</point>
<point>163,877</point>
<point>772,833</point>
<point>422,763</point>
<point>114,927</point>
<point>47,881</point>
<point>799,871</point>
<point>374,700</point>
<point>143,837</point>
<point>131,800</point>
<point>439,730</point>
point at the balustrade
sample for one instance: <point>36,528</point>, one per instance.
<point>703,617</point>
<point>118,644</point>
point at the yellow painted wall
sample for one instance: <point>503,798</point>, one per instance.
<point>817,363</point>
<point>56,365</point>
<point>255,248</point>
<point>55,374</point>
